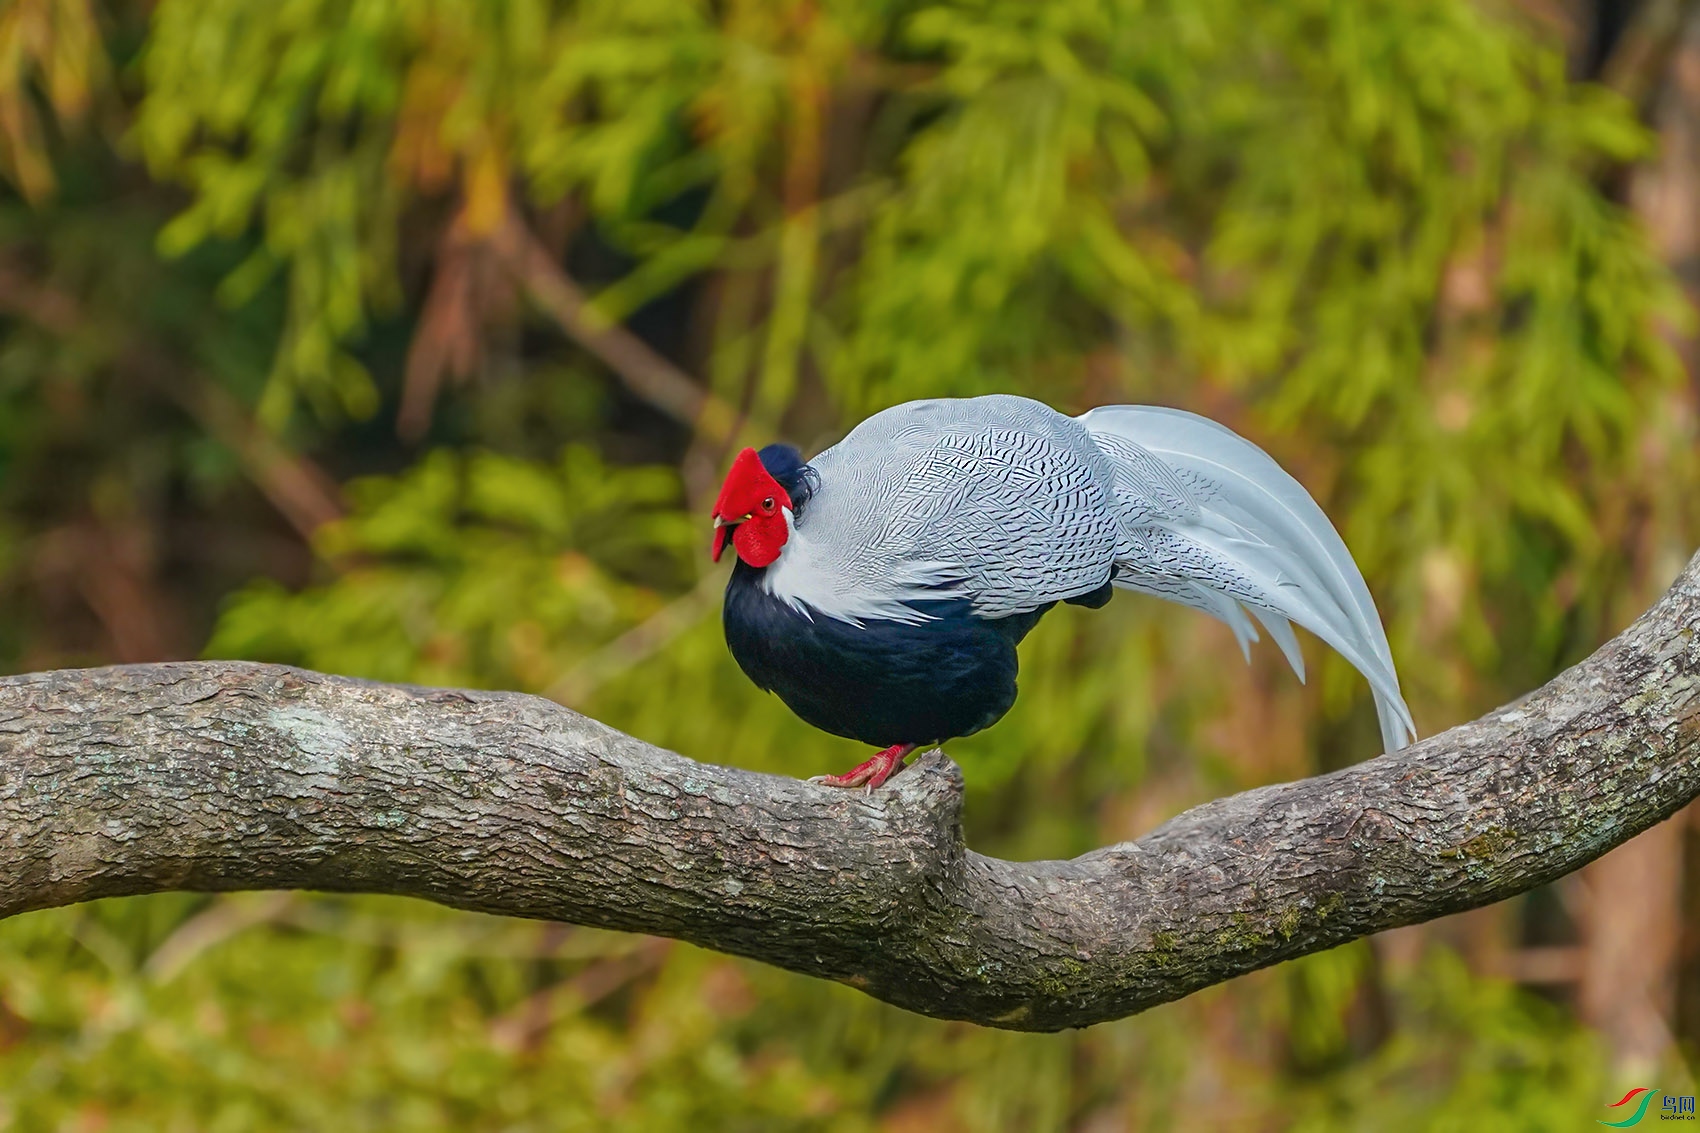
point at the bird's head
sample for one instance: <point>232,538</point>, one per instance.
<point>760,489</point>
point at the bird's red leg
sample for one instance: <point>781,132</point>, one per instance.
<point>872,773</point>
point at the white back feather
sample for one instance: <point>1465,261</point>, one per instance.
<point>1005,502</point>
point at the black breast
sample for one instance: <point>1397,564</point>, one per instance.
<point>882,682</point>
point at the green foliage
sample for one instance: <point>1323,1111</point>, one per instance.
<point>1374,238</point>
<point>269,1012</point>
<point>1380,230</point>
<point>1509,1061</point>
<point>475,569</point>
<point>376,1016</point>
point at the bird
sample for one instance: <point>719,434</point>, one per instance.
<point>881,588</point>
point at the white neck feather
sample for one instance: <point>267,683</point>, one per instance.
<point>803,578</point>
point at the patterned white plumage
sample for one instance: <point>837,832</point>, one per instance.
<point>1007,503</point>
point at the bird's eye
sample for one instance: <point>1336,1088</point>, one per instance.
<point>767,505</point>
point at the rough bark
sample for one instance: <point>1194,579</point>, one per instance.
<point>219,776</point>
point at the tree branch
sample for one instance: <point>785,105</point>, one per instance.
<point>645,372</point>
<point>219,776</point>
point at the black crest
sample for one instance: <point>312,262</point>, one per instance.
<point>785,464</point>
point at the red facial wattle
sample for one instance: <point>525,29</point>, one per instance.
<point>759,539</point>
<point>752,507</point>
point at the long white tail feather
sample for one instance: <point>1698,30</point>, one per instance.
<point>1244,534</point>
<point>1281,633</point>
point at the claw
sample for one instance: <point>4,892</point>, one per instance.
<point>874,772</point>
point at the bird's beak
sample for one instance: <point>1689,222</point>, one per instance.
<point>722,526</point>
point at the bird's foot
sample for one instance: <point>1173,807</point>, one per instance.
<point>874,772</point>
